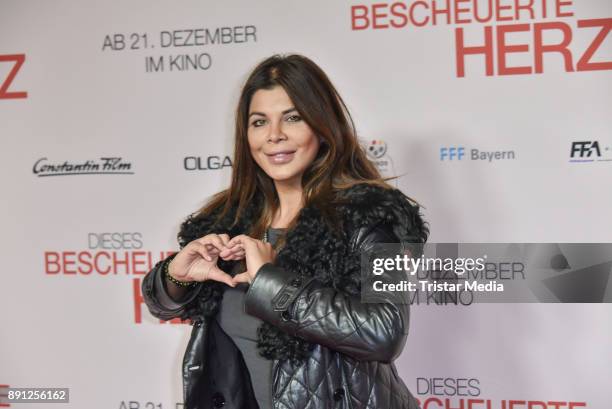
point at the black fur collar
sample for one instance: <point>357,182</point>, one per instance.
<point>312,249</point>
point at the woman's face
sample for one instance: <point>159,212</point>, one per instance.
<point>281,142</point>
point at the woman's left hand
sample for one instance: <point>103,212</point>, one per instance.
<point>256,252</point>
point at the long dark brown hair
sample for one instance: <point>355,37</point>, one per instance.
<point>340,162</point>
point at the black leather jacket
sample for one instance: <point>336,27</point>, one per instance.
<point>351,365</point>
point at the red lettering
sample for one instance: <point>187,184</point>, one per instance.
<point>432,400</point>
<point>121,262</point>
<point>472,402</point>
<point>138,300</point>
<point>52,260</point>
<point>477,15</point>
<point>100,270</point>
<point>447,404</point>
<point>84,260</point>
<point>136,261</point>
<point>561,3</point>
<point>544,10</point>
<point>539,49</point>
<point>401,15</point>
<point>503,49</point>
<point>527,7</point>
<point>435,11</point>
<point>458,10</point>
<point>377,16</point>
<point>413,19</point>
<point>101,262</point>
<point>462,51</point>
<point>500,8</point>
<point>68,262</point>
<point>475,403</point>
<point>19,59</point>
<point>584,63</point>
<point>362,16</point>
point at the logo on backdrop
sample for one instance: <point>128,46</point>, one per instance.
<point>17,61</point>
<point>461,153</point>
<point>500,33</point>
<point>212,162</point>
<point>108,254</point>
<point>111,165</point>
<point>590,151</point>
<point>466,392</point>
<point>376,150</point>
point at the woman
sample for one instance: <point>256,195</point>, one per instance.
<point>283,326</point>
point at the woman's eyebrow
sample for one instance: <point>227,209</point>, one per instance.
<point>286,111</point>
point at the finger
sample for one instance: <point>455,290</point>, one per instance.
<point>228,251</point>
<point>240,239</point>
<point>237,239</point>
<point>212,249</point>
<point>216,241</point>
<point>217,274</point>
<point>201,250</point>
<point>235,256</point>
<point>242,278</point>
<point>235,253</point>
<point>225,238</point>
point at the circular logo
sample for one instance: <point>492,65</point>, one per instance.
<point>376,149</point>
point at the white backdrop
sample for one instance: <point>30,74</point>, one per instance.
<point>87,80</point>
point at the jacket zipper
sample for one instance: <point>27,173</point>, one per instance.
<point>344,382</point>
<point>273,380</point>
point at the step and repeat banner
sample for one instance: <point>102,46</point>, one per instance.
<point>116,122</point>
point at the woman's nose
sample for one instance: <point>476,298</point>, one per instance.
<point>276,133</point>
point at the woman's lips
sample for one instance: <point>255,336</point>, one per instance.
<point>281,157</point>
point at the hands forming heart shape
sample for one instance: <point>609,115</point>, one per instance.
<point>197,261</point>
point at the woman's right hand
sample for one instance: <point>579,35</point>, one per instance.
<point>197,261</point>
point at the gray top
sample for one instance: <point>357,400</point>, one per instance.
<point>242,328</point>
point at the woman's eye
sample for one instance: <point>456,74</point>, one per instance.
<point>294,118</point>
<point>257,122</point>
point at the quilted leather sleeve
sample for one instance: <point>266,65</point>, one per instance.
<point>156,296</point>
<point>154,290</point>
<point>323,315</point>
